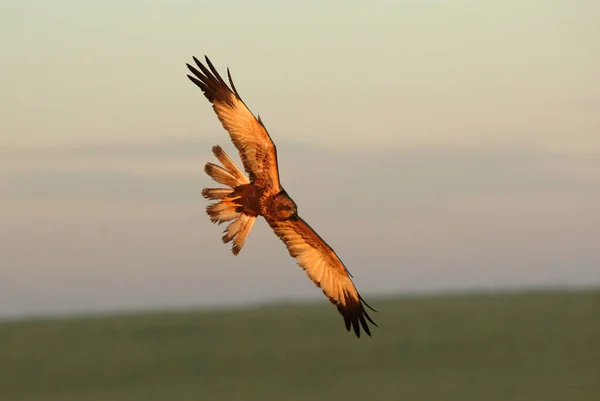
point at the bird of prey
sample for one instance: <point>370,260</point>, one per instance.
<point>261,194</point>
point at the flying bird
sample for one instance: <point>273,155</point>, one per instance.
<point>261,194</point>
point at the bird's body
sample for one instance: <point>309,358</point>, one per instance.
<point>263,195</point>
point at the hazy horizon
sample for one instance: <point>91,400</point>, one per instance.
<point>434,145</point>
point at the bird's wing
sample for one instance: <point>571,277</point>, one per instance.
<point>325,269</point>
<point>248,133</point>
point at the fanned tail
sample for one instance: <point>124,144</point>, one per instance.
<point>227,209</point>
<point>238,231</point>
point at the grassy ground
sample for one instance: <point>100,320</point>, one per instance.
<point>536,346</point>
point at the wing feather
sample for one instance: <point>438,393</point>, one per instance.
<point>325,269</point>
<point>248,134</point>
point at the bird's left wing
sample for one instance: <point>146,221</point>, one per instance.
<point>247,133</point>
<point>325,269</point>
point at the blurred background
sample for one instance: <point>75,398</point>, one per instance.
<point>439,147</point>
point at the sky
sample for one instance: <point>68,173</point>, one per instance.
<point>436,145</point>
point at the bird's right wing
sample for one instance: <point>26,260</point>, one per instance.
<point>325,269</point>
<point>248,133</point>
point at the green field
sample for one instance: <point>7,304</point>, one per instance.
<point>503,347</point>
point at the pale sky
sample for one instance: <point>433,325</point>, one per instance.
<point>436,145</point>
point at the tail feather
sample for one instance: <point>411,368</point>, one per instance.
<point>234,228</point>
<point>241,236</point>
<point>238,231</point>
<point>216,193</point>
<point>222,211</point>
<point>221,175</point>
<point>229,164</point>
<point>227,209</point>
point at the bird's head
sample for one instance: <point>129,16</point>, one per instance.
<point>284,206</point>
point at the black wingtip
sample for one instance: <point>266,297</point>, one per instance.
<point>198,63</point>
<point>356,318</point>
<point>208,79</point>
<point>208,62</point>
<point>196,81</point>
<point>232,84</point>
<point>362,300</point>
<point>356,329</point>
<point>363,323</point>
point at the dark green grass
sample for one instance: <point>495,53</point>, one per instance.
<point>529,346</point>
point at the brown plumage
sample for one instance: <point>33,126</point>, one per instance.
<point>263,195</point>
